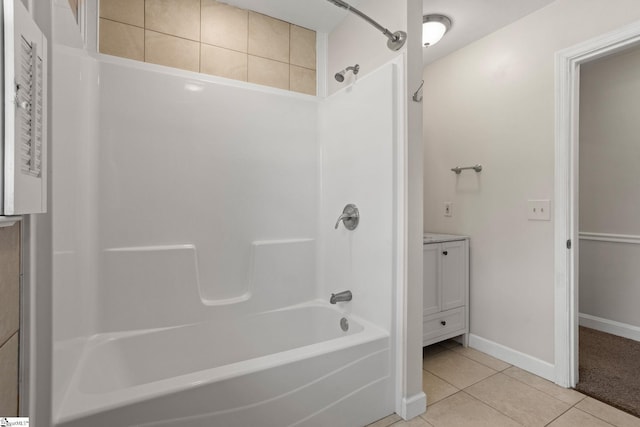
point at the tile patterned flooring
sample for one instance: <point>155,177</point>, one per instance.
<point>465,387</point>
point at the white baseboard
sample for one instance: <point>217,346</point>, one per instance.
<point>413,406</point>
<point>524,361</point>
<point>609,326</point>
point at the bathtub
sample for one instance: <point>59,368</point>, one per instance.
<point>288,367</point>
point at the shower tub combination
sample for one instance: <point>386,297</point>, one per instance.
<point>227,329</point>
<point>294,366</point>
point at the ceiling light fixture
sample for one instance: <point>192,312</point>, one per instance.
<point>433,28</point>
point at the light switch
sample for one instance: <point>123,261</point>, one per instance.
<point>448,209</point>
<point>539,210</point>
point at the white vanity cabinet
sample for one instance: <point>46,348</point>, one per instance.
<point>445,260</point>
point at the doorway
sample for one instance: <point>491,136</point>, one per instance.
<point>568,67</point>
<point>609,230</point>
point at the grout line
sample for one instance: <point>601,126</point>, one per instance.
<point>172,35</point>
<point>120,22</point>
<point>544,392</point>
<point>598,417</point>
<point>248,35</point>
<point>232,50</point>
<point>287,62</point>
<point>9,338</point>
<point>490,406</point>
<point>289,49</point>
<point>550,422</point>
<point>442,379</point>
<point>439,377</point>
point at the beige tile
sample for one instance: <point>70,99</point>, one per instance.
<point>303,47</point>
<point>457,370</point>
<point>302,80</point>
<point>565,394</point>
<point>125,41</point>
<point>9,377</point>
<point>172,51</point>
<point>225,26</point>
<point>9,282</point>
<point>518,401</point>
<point>126,11</point>
<point>179,18</point>
<point>483,358</point>
<point>386,421</point>
<point>608,413</point>
<point>223,62</point>
<point>461,410</point>
<point>269,73</point>
<point>268,37</point>
<point>436,388</point>
<point>414,422</point>
<point>575,417</point>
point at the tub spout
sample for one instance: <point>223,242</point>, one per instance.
<point>340,297</point>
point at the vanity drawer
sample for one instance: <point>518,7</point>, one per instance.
<point>443,323</point>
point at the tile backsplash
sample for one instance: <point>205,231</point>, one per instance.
<point>211,37</point>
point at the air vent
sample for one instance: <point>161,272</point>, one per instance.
<point>29,113</point>
<point>24,153</point>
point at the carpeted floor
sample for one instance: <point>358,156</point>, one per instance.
<point>610,369</point>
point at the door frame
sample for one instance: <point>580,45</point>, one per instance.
<point>567,98</point>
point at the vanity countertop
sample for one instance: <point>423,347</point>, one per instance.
<point>437,237</point>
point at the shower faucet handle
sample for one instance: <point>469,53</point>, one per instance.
<point>350,217</point>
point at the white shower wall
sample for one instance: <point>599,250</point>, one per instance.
<point>358,147</point>
<point>193,161</point>
<point>182,197</point>
<point>73,198</point>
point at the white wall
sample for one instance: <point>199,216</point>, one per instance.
<point>355,41</point>
<point>492,102</point>
<point>609,194</point>
<point>414,197</point>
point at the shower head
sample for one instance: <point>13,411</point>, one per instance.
<point>340,75</point>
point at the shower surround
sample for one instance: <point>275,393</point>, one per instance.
<point>200,251</point>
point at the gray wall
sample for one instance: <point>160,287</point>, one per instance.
<point>609,192</point>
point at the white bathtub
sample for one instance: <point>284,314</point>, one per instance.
<point>294,366</point>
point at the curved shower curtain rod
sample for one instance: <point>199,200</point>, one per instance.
<point>396,40</point>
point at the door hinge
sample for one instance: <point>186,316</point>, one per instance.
<point>569,244</point>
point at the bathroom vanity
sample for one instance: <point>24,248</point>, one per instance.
<point>445,259</point>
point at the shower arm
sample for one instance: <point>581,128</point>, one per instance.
<point>396,40</point>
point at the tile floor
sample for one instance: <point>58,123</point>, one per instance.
<point>465,387</point>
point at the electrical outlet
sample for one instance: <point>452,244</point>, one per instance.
<point>448,209</point>
<point>539,210</point>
